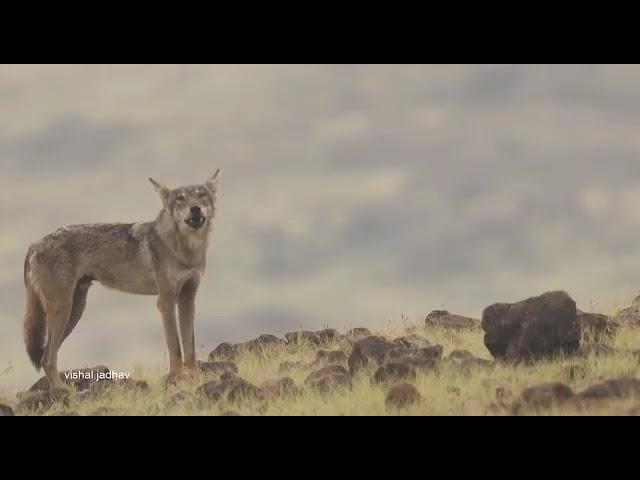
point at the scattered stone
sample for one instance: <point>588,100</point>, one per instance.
<point>369,351</point>
<point>34,401</point>
<point>66,413</point>
<point>532,329</point>
<point>425,358</point>
<point>225,351</point>
<point>465,360</point>
<point>328,379</point>
<point>232,390</point>
<point>303,337</point>
<point>358,333</point>
<point>596,325</point>
<point>230,413</point>
<point>328,335</point>
<point>279,388</point>
<point>394,372</point>
<point>262,343</point>
<point>402,396</point>
<point>6,411</point>
<point>621,387</point>
<point>629,316</point>
<point>414,342</point>
<point>286,367</point>
<point>335,357</point>
<point>445,320</point>
<point>217,368</point>
<point>542,397</point>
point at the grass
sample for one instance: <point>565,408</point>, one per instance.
<point>448,391</point>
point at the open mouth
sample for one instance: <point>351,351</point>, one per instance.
<point>195,222</point>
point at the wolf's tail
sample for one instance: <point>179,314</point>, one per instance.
<point>34,324</point>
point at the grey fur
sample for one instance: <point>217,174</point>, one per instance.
<point>166,257</point>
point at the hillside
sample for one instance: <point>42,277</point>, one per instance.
<point>439,367</point>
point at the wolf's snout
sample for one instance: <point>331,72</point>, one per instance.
<point>196,212</point>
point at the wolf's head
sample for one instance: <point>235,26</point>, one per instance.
<point>192,207</point>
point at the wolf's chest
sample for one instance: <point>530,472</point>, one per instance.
<point>178,275</point>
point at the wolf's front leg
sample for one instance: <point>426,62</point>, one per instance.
<point>167,307</point>
<point>186,309</point>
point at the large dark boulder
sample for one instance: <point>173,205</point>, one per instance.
<point>532,329</point>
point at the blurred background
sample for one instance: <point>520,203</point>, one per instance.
<point>351,195</point>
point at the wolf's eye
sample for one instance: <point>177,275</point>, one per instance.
<point>180,198</point>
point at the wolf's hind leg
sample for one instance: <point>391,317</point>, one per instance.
<point>58,313</point>
<point>79,303</point>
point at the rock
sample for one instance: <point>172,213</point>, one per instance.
<point>358,333</point>
<point>224,351</point>
<point>230,413</point>
<point>532,329</point>
<point>414,342</point>
<point>303,337</point>
<point>402,396</point>
<point>335,357</point>
<point>35,401</point>
<point>66,413</point>
<point>232,390</point>
<point>328,335</point>
<point>262,344</point>
<point>621,387</point>
<point>81,379</point>
<point>394,372</point>
<point>331,369</point>
<point>445,320</point>
<point>596,325</point>
<point>542,397</point>
<point>369,351</point>
<point>460,356</point>
<point>465,360</point>
<point>596,350</point>
<point>629,316</point>
<point>217,368</point>
<point>6,411</point>
<point>425,358</point>
<point>279,388</point>
<point>328,379</point>
<point>286,367</point>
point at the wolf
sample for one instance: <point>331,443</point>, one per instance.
<point>165,257</point>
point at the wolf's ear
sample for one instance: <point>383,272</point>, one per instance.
<point>163,191</point>
<point>212,182</point>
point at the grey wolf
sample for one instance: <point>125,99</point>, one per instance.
<point>165,257</point>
